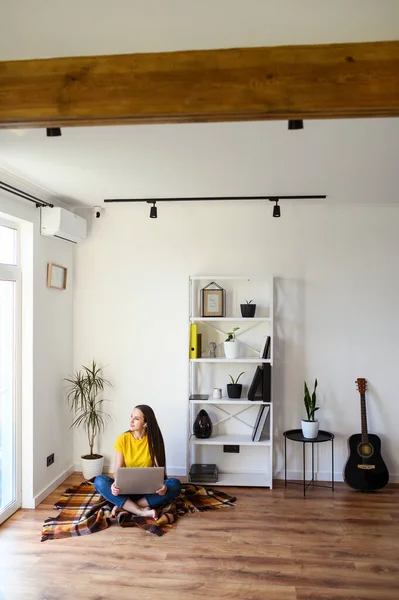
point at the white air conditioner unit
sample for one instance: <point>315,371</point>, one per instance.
<point>61,223</point>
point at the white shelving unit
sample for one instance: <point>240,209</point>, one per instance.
<point>233,419</point>
<point>199,319</point>
<point>231,360</point>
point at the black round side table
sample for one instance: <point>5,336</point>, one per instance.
<point>296,436</point>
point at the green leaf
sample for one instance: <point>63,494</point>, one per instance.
<point>310,401</point>
<point>234,381</point>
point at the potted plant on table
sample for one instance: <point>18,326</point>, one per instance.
<point>248,309</point>
<point>310,426</point>
<point>234,389</point>
<point>84,394</point>
<point>230,344</point>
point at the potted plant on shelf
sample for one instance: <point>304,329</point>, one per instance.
<point>234,389</point>
<point>310,426</point>
<point>84,394</point>
<point>230,344</point>
<point>248,309</point>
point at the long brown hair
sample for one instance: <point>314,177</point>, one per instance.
<point>156,444</point>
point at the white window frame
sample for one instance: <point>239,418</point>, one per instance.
<point>13,273</point>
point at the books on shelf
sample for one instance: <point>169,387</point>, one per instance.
<point>260,388</point>
<point>199,345</point>
<point>255,385</point>
<point>260,423</point>
<point>265,348</point>
<point>267,382</point>
<point>199,397</point>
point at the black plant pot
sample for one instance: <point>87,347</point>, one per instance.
<point>234,390</point>
<point>248,310</point>
<point>202,425</point>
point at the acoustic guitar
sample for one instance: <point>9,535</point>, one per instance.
<point>365,469</point>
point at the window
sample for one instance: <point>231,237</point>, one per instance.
<point>9,359</point>
<point>8,245</point>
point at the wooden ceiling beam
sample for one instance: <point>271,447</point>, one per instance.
<point>283,82</point>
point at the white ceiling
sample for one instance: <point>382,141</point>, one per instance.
<point>352,161</point>
<point>46,28</point>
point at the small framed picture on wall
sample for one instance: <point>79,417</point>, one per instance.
<point>56,276</point>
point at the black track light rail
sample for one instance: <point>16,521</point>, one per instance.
<point>17,192</point>
<point>214,198</point>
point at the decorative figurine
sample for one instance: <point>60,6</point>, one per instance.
<point>212,350</point>
<point>202,428</point>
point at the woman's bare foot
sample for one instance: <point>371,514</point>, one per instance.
<point>149,512</point>
<point>140,511</point>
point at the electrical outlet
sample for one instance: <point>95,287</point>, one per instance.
<point>50,459</point>
<point>234,449</point>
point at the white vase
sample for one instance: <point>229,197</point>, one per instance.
<point>91,467</point>
<point>231,349</point>
<point>310,429</point>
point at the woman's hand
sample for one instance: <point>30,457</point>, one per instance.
<point>162,490</point>
<point>115,491</point>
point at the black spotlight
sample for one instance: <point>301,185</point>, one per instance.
<point>53,132</point>
<point>295,124</point>
<point>276,208</point>
<point>153,212</point>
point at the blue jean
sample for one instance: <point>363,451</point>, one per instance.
<point>102,484</point>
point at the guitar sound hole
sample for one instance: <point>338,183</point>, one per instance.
<point>365,450</point>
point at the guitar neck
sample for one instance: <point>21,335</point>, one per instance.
<point>363,418</point>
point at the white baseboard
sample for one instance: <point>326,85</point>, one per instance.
<point>291,475</point>
<point>320,476</point>
<point>298,475</point>
<point>51,487</point>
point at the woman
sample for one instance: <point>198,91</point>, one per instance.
<point>141,446</point>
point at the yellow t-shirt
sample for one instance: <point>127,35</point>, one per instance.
<point>136,453</point>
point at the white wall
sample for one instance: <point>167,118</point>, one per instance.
<point>126,26</point>
<point>337,289</point>
<point>47,355</point>
<point>133,272</point>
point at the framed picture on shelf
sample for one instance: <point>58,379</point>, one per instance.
<point>213,300</point>
<point>56,276</point>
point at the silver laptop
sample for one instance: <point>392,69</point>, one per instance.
<point>144,480</point>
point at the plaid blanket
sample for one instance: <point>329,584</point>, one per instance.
<point>84,511</point>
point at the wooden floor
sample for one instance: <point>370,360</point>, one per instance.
<point>273,545</point>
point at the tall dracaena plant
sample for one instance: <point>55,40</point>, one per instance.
<point>85,400</point>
